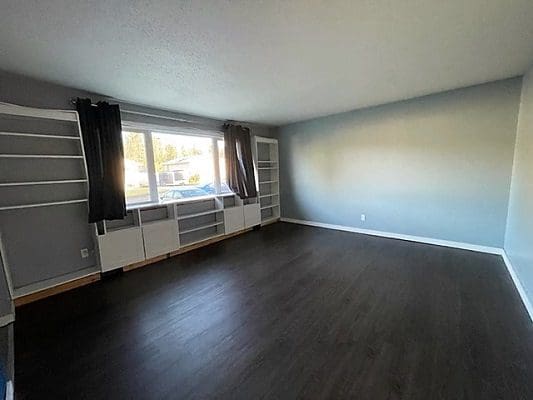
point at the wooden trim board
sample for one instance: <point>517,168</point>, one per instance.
<point>182,250</point>
<point>207,242</point>
<point>143,263</point>
<point>75,283</point>
<point>270,221</point>
<point>60,288</point>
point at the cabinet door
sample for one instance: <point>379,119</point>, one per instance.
<point>233,219</point>
<point>120,248</point>
<point>160,237</point>
<point>252,215</point>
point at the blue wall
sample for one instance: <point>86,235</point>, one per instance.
<point>519,237</point>
<point>437,166</point>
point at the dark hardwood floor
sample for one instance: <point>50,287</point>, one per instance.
<point>283,313</point>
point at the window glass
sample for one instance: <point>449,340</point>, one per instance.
<point>184,166</point>
<point>224,188</point>
<point>136,171</point>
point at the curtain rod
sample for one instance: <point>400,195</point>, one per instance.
<point>218,125</point>
<point>145,114</point>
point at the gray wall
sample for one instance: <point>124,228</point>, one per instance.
<point>519,236</point>
<point>6,306</point>
<point>437,166</point>
<point>45,243</point>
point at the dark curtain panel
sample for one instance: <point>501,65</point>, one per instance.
<point>239,164</point>
<point>101,129</point>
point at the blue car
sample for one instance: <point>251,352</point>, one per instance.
<point>183,192</point>
<point>210,188</point>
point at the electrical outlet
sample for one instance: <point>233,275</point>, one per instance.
<point>84,253</point>
<point>363,217</point>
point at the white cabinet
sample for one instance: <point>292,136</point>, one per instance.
<point>233,219</point>
<point>121,247</point>
<point>155,230</point>
<point>267,161</point>
<point>160,237</point>
<point>252,215</point>
<point>241,217</point>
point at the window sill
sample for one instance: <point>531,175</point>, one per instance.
<point>140,206</point>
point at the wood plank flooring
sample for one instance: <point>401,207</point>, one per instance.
<point>287,312</point>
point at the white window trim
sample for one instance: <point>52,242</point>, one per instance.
<point>147,131</point>
<point>150,166</point>
<point>140,126</point>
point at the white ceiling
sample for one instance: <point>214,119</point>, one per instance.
<point>271,61</point>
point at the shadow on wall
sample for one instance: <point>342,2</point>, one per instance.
<point>438,166</point>
<point>519,237</point>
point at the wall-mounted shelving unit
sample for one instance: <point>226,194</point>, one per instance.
<point>200,220</point>
<point>43,181</point>
<point>120,241</point>
<point>151,231</point>
<point>267,167</point>
<point>146,232</point>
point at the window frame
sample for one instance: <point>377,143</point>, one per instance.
<point>147,133</point>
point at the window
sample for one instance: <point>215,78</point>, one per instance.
<point>163,167</point>
<point>137,185</point>
<point>224,188</point>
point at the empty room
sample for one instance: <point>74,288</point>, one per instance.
<point>266,199</point>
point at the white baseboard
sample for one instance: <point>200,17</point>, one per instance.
<point>438,242</point>
<point>391,235</point>
<point>518,284</point>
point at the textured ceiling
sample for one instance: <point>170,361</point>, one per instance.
<point>266,61</point>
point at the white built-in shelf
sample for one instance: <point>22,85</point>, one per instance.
<point>38,156</point>
<point>201,227</point>
<point>150,204</point>
<point>48,283</point>
<point>52,203</point>
<point>122,228</point>
<point>268,195</point>
<point>266,151</point>
<point>198,214</point>
<point>269,219</point>
<point>231,207</point>
<point>269,206</point>
<point>39,135</point>
<point>155,221</point>
<point>32,183</point>
<point>215,235</point>
<point>29,162</point>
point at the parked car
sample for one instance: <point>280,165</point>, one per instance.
<point>210,188</point>
<point>183,192</point>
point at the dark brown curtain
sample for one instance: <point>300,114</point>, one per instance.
<point>239,163</point>
<point>101,129</point>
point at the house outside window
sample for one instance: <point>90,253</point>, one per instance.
<point>163,167</point>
